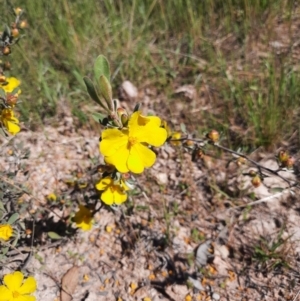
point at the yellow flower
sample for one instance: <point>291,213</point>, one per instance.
<point>83,218</point>
<point>6,231</point>
<point>10,84</point>
<point>9,121</point>
<point>114,193</point>
<point>174,139</point>
<point>15,289</point>
<point>127,149</point>
<point>52,197</point>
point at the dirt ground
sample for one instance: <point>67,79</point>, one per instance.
<point>186,234</point>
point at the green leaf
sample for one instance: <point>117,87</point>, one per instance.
<point>2,93</point>
<point>4,250</point>
<point>98,117</point>
<point>276,189</point>
<point>106,90</point>
<point>101,67</point>
<point>13,218</point>
<point>54,235</point>
<point>92,92</point>
<point>14,243</point>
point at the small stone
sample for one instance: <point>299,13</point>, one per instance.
<point>216,296</point>
<point>129,89</point>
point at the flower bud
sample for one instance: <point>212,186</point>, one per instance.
<point>256,181</point>
<point>2,79</point>
<point>18,11</point>
<point>126,176</point>
<point>175,136</point>
<point>23,24</point>
<point>15,32</point>
<point>283,156</point>
<point>123,115</point>
<point>6,50</point>
<point>11,99</point>
<point>252,173</point>
<point>241,161</point>
<point>214,136</point>
<point>189,143</point>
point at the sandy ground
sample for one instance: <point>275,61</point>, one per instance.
<point>181,237</point>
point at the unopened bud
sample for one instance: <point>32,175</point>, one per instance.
<point>15,32</point>
<point>241,161</point>
<point>11,99</point>
<point>252,173</point>
<point>126,176</point>
<point>18,11</point>
<point>256,181</point>
<point>6,50</point>
<point>283,156</point>
<point>214,136</point>
<point>189,143</point>
<point>123,115</point>
<point>174,138</point>
<point>23,24</point>
<point>2,79</point>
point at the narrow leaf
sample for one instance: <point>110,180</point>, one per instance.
<point>54,235</point>
<point>106,90</point>
<point>92,92</point>
<point>101,67</point>
<point>98,117</point>
<point>13,218</point>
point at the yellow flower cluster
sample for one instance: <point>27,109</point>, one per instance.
<point>128,150</point>
<point>6,232</point>
<point>7,116</point>
<point>15,288</point>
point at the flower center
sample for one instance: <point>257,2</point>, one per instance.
<point>112,188</point>
<point>15,294</point>
<point>132,141</point>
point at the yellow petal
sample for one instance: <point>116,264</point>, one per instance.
<point>85,226</point>
<point>12,83</point>
<point>119,160</point>
<point>13,281</point>
<point>104,183</point>
<point>134,163</point>
<point>153,135</point>
<point>107,197</point>
<point>12,127</point>
<point>140,157</point>
<point>24,298</point>
<point>147,156</point>
<point>136,119</point>
<point>6,231</point>
<point>28,287</point>
<point>120,196</point>
<point>5,293</point>
<point>83,218</point>
<point>112,141</point>
<point>147,129</point>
